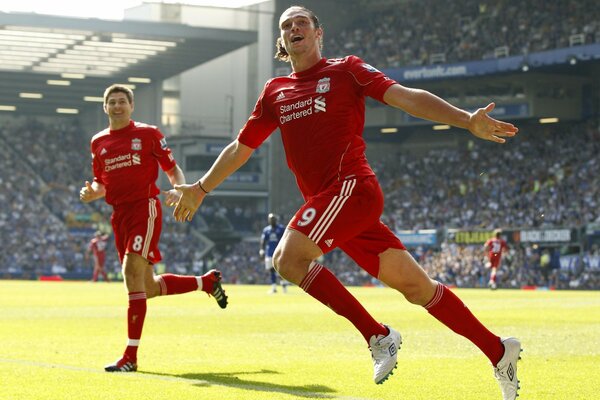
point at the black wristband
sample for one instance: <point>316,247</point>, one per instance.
<point>202,188</point>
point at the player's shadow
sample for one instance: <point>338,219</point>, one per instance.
<point>233,379</point>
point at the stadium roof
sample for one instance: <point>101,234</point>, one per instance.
<point>49,62</point>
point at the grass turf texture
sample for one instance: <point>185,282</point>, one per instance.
<point>55,338</point>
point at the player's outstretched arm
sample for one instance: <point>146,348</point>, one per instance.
<point>426,105</point>
<point>91,191</point>
<point>230,160</point>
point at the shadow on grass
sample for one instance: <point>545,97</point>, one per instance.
<point>236,380</point>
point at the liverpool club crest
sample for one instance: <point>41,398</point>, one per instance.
<point>323,85</point>
<point>136,144</point>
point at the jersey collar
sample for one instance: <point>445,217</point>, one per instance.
<point>320,64</point>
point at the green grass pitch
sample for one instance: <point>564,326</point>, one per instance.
<point>55,338</point>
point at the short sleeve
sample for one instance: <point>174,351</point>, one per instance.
<point>370,80</point>
<point>162,151</point>
<point>261,123</point>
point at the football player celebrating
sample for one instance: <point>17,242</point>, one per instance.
<point>320,110</point>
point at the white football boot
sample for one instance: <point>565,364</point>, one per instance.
<point>506,370</point>
<point>384,351</point>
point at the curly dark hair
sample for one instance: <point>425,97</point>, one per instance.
<point>281,53</point>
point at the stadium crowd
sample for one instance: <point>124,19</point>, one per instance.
<point>410,32</point>
<point>25,227</point>
<point>453,264</point>
<point>551,181</point>
<point>548,177</point>
<point>43,165</point>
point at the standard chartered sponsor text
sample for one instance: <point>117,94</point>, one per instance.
<point>124,160</point>
<point>299,109</point>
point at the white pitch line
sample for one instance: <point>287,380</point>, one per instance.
<point>150,376</point>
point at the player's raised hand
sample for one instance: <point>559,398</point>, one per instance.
<point>86,194</point>
<point>485,127</point>
<point>171,197</point>
<point>189,201</point>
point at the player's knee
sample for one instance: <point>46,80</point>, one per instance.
<point>413,297</point>
<point>415,293</point>
<point>277,259</point>
<point>286,265</point>
<point>152,289</point>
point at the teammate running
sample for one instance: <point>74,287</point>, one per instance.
<point>125,160</point>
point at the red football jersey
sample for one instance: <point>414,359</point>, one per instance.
<point>126,161</point>
<point>495,247</point>
<point>321,115</point>
<point>98,245</point>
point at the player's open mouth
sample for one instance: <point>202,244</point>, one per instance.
<point>296,39</point>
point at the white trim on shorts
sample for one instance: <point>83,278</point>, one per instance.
<point>150,229</point>
<point>333,209</point>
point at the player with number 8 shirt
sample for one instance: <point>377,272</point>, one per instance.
<point>125,161</point>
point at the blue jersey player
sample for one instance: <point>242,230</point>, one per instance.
<point>271,235</point>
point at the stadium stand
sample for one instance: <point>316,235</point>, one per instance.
<point>44,163</point>
<point>546,179</point>
<point>418,32</point>
<point>552,181</point>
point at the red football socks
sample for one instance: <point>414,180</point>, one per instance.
<point>321,284</point>
<point>447,308</point>
<point>176,284</point>
<point>136,313</point>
